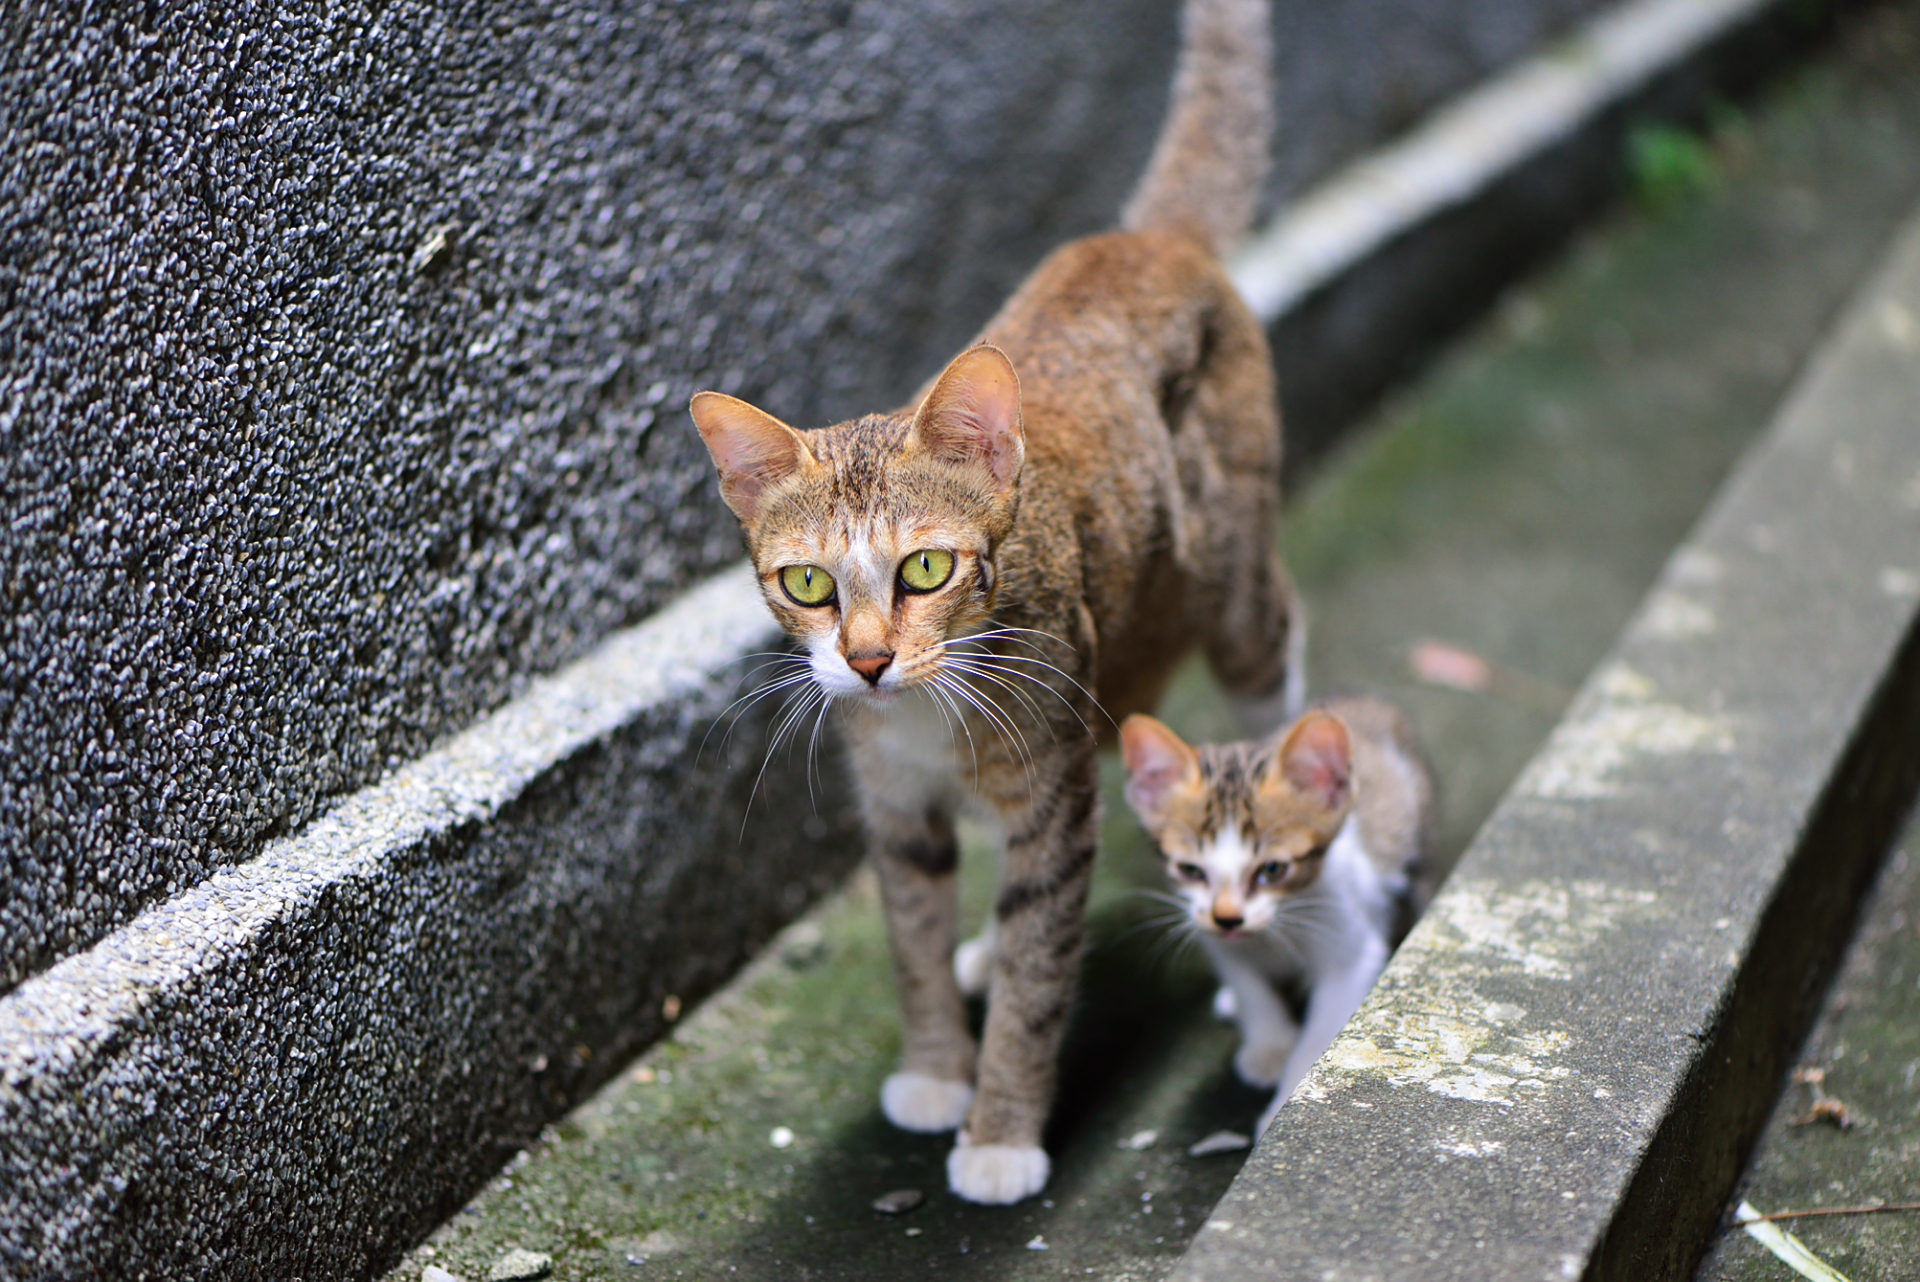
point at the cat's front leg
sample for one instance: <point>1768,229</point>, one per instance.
<point>1334,999</point>
<point>915,857</point>
<point>1052,834</point>
<point>1267,1031</point>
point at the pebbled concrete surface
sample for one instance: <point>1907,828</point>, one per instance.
<point>1867,1045</point>
<point>342,348</point>
<point>1518,501</point>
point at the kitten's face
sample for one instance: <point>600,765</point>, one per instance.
<point>874,539</point>
<point>1243,826</point>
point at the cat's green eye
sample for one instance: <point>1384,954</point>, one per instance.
<point>1191,872</point>
<point>926,569</point>
<point>807,584</point>
<point>1271,873</point>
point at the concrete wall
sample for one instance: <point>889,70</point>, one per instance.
<point>343,349</point>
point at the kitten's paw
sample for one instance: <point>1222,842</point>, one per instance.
<point>996,1174</point>
<point>1226,1007</point>
<point>1262,1063</point>
<point>916,1102</point>
<point>973,965</point>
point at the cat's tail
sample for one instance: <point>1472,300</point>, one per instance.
<point>1210,164</point>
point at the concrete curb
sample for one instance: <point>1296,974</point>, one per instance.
<point>1369,270</point>
<point>1563,1069</point>
<point>295,1066</point>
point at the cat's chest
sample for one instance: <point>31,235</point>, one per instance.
<point>914,752</point>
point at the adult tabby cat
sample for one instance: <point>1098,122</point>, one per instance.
<point>982,582</point>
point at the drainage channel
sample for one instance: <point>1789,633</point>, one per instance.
<point>1515,505</point>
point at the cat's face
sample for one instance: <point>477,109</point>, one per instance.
<point>1243,826</point>
<point>874,539</point>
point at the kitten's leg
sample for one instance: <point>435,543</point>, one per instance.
<point>1267,1030</point>
<point>915,857</point>
<point>1052,831</point>
<point>1335,997</point>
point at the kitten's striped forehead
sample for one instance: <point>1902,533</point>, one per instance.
<point>1229,775</point>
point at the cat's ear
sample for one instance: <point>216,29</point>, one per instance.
<point>972,416</point>
<point>753,450</point>
<point>1159,764</point>
<point>1316,757</point>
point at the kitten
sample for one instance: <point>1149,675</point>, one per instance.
<point>1298,862</point>
<point>976,579</point>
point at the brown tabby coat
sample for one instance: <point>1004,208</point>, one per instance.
<point>1103,472</point>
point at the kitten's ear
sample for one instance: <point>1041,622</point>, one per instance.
<point>972,415</point>
<point>1316,757</point>
<point>1159,764</point>
<point>753,450</point>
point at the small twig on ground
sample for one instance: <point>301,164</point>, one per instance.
<point>1831,1210</point>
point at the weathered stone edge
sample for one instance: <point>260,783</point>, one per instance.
<point>1364,274</point>
<point>57,1020</point>
<point>1563,1070</point>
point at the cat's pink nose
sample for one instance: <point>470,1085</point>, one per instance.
<point>870,666</point>
<point>1227,921</point>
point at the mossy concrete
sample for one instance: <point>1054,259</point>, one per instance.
<point>1517,501</point>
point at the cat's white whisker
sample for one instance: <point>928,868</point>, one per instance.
<point>732,714</point>
<point>979,662</point>
<point>1025,698</point>
<point>789,716</point>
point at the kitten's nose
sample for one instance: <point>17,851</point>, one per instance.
<point>1227,921</point>
<point>870,666</point>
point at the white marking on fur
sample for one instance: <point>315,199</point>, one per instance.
<point>916,1102</point>
<point>973,961</point>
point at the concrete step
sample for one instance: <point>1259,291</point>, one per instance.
<point>1519,502</point>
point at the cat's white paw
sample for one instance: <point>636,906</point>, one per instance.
<point>1262,1063</point>
<point>916,1102</point>
<point>1226,1007</point>
<point>973,964</point>
<point>996,1174</point>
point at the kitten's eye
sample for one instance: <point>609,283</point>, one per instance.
<point>1190,872</point>
<point>926,569</point>
<point>1271,873</point>
<point>807,584</point>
